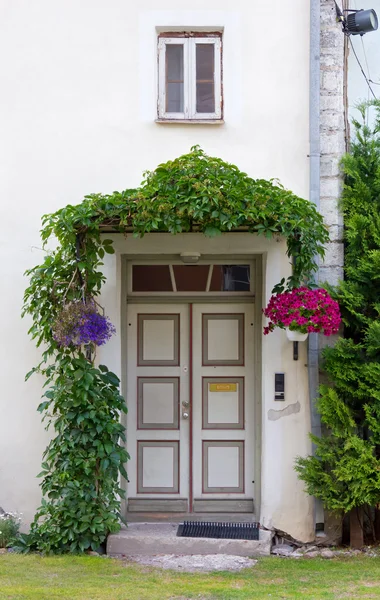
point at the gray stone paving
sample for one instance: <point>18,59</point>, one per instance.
<point>195,563</point>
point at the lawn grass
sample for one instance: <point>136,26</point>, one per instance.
<point>94,578</point>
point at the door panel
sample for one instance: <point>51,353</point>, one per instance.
<point>158,402</point>
<point>222,339</point>
<point>223,402</point>
<point>158,467</point>
<point>157,387</point>
<point>158,339</point>
<point>223,407</point>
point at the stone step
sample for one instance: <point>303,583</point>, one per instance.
<point>149,539</point>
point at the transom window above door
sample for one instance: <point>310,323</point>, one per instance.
<point>180,279</point>
<point>189,77</point>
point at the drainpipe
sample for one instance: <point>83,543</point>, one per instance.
<point>314,193</point>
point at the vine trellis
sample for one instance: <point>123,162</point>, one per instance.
<point>196,192</point>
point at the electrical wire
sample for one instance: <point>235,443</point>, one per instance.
<point>369,76</point>
<point>365,58</point>
<point>361,68</point>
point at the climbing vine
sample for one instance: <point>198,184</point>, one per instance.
<point>194,193</point>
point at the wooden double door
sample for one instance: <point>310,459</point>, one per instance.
<point>190,397</point>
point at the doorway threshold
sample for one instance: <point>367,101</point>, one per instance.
<point>175,517</point>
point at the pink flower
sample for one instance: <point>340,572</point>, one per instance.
<point>305,310</point>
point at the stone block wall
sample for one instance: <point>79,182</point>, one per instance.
<point>332,115</point>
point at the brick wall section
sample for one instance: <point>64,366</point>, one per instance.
<point>332,138</point>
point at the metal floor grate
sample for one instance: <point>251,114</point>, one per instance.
<point>228,531</point>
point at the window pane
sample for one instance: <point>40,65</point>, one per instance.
<point>191,278</point>
<point>205,78</point>
<point>174,97</point>
<point>151,278</point>
<point>205,98</point>
<point>205,61</point>
<point>174,78</point>
<point>230,278</point>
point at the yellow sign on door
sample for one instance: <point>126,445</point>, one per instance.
<point>223,387</point>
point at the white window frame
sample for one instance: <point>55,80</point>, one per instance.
<point>189,75</point>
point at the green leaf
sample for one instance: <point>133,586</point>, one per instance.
<point>30,373</point>
<point>42,474</point>
<point>112,378</point>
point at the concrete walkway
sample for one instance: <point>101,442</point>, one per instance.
<point>196,563</point>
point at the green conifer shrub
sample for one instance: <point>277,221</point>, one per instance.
<point>345,471</point>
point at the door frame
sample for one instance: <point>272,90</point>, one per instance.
<point>180,298</point>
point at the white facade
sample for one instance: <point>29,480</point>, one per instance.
<point>78,115</point>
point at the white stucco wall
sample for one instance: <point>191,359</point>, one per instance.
<point>77,113</point>
<point>368,50</point>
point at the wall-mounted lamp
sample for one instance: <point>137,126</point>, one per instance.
<point>190,258</point>
<point>357,22</point>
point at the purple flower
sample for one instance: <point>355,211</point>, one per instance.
<point>94,328</point>
<point>80,323</point>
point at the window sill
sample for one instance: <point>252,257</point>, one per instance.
<point>190,121</point>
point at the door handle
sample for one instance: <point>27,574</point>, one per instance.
<point>185,414</point>
<point>185,404</point>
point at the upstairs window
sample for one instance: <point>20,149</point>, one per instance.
<point>189,77</point>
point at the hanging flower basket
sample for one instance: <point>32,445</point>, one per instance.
<point>296,336</point>
<point>303,311</point>
<point>80,323</point>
